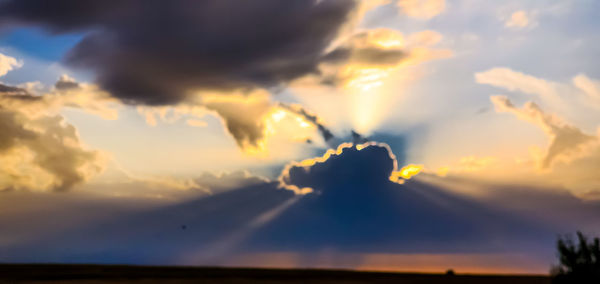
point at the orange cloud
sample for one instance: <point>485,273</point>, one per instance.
<point>519,19</point>
<point>422,9</point>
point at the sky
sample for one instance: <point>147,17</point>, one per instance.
<point>396,135</point>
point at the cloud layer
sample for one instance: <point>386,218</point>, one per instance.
<point>155,52</point>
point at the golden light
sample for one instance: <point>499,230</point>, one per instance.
<point>364,83</point>
<point>281,125</point>
<point>264,128</point>
<point>380,38</point>
<point>326,156</point>
<point>363,79</point>
<point>278,115</point>
<point>407,172</point>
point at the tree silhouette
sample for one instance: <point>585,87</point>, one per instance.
<point>579,262</point>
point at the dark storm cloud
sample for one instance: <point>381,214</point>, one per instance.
<point>155,52</point>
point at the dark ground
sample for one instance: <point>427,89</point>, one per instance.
<point>57,273</point>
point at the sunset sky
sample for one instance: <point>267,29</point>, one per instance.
<point>410,135</point>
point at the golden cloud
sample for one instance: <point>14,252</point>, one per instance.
<point>422,9</point>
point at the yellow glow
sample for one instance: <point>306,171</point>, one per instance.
<point>381,38</point>
<point>473,163</point>
<point>390,43</point>
<point>268,127</point>
<point>325,157</point>
<point>443,171</point>
<point>407,172</point>
<point>363,85</point>
<point>363,79</point>
<point>364,82</point>
<point>278,115</point>
<point>281,125</point>
<point>303,123</point>
<point>411,170</point>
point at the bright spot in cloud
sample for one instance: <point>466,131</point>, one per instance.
<point>518,20</point>
<point>406,172</point>
<point>422,9</point>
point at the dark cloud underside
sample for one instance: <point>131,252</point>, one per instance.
<point>156,52</point>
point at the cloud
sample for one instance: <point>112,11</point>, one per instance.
<point>119,182</point>
<point>349,202</point>
<point>8,63</point>
<point>354,208</point>
<point>43,153</point>
<point>38,149</point>
<point>171,114</point>
<point>590,87</point>
<point>243,116</point>
<point>572,157</point>
<point>518,20</point>
<point>66,94</point>
<point>149,60</point>
<point>66,83</point>
<point>365,58</point>
<point>251,118</point>
<point>572,153</point>
<point>157,53</point>
<point>376,162</point>
<point>422,9</point>
<point>517,81</point>
<point>312,118</point>
<point>229,180</point>
<point>565,140</point>
<point>12,90</point>
<point>366,84</point>
<point>583,92</point>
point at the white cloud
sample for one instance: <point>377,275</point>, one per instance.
<point>590,87</point>
<point>517,81</point>
<point>576,100</point>
<point>8,63</point>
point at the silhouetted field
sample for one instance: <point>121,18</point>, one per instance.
<point>58,273</point>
